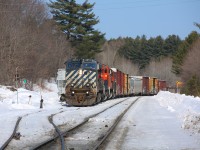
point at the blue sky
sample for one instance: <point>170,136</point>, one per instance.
<point>146,17</point>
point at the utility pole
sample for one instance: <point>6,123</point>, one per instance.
<point>16,80</point>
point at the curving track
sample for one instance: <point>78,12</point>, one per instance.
<point>14,134</point>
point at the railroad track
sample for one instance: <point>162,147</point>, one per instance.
<point>13,135</point>
<point>65,140</point>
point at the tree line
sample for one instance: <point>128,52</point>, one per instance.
<point>142,50</point>
<point>184,54</point>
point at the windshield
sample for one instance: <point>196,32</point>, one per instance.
<point>89,66</point>
<point>72,65</point>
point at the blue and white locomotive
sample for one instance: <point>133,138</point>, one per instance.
<point>81,82</point>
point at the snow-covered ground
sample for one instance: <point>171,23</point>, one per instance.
<point>35,127</point>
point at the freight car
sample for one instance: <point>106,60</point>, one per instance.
<point>153,85</point>
<point>85,82</point>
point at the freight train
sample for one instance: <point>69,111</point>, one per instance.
<point>85,82</point>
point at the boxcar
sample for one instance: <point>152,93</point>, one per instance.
<point>145,85</point>
<point>162,85</point>
<point>153,85</point>
<point>136,85</point>
<point>125,85</point>
<point>120,83</point>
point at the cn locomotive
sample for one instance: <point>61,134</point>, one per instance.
<point>85,82</point>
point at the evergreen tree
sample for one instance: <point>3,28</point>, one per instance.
<point>197,24</point>
<point>150,46</point>
<point>192,86</point>
<point>171,44</point>
<point>66,15</point>
<point>158,47</point>
<point>90,45</point>
<point>144,53</point>
<point>141,51</point>
<point>77,22</point>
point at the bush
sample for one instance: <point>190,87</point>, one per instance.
<point>192,86</point>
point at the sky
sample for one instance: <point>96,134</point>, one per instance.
<point>122,18</point>
<point>147,118</point>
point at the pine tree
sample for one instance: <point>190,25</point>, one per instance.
<point>66,15</point>
<point>192,86</point>
<point>90,45</point>
<point>77,22</point>
<point>197,25</point>
<point>171,44</point>
<point>158,47</point>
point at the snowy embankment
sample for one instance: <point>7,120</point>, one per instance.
<point>187,108</point>
<point>24,103</point>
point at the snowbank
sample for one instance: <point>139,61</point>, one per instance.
<point>186,107</point>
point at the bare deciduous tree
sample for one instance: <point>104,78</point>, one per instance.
<point>192,61</point>
<point>30,44</point>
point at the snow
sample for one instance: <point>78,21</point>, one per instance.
<point>187,108</point>
<point>180,112</point>
<point>148,126</point>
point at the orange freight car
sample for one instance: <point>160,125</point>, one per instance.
<point>153,85</point>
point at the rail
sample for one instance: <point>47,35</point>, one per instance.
<point>12,135</point>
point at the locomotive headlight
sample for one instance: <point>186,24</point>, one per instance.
<point>72,93</point>
<point>72,85</point>
<point>80,72</point>
<point>87,93</point>
<point>87,84</point>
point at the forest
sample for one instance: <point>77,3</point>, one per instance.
<point>36,39</point>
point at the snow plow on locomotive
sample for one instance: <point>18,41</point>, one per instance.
<point>85,82</point>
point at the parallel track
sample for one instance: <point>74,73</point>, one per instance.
<point>51,142</point>
<point>98,145</point>
<point>61,135</point>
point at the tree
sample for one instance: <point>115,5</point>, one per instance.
<point>197,24</point>
<point>29,41</point>
<point>89,46</point>
<point>191,71</point>
<point>192,86</point>
<point>77,22</point>
<point>171,44</point>
<point>182,51</point>
<point>158,47</point>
